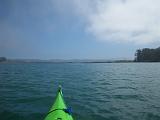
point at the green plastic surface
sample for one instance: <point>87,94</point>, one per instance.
<point>56,112</point>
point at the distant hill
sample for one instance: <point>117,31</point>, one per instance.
<point>2,59</point>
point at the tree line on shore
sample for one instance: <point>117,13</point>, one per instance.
<point>147,55</point>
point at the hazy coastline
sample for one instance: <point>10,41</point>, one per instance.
<point>65,61</point>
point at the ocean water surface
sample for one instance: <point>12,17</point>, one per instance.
<point>95,91</point>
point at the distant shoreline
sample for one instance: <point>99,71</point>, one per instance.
<point>6,62</point>
<point>66,61</point>
<point>70,61</point>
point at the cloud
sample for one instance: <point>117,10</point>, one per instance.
<point>136,21</point>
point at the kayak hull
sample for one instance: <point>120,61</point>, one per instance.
<point>57,111</point>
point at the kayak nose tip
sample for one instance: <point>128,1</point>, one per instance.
<point>60,88</point>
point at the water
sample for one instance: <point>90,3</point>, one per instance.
<point>95,91</point>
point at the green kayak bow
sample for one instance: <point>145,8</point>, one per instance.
<point>59,110</point>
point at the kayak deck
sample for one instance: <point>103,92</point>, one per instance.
<point>57,111</point>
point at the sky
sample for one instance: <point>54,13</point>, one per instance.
<point>78,29</point>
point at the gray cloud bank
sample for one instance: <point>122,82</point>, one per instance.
<point>136,21</point>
